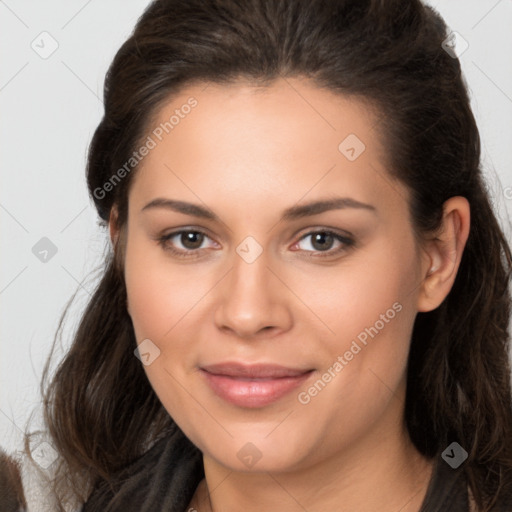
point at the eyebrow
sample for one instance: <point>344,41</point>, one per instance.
<point>292,213</point>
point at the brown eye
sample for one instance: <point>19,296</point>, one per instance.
<point>185,243</point>
<point>191,239</point>
<point>323,241</point>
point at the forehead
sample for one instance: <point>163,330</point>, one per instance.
<point>290,138</point>
<point>281,115</point>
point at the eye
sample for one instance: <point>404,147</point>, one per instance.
<point>190,240</point>
<point>322,241</point>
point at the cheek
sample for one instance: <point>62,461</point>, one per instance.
<point>166,304</point>
<point>374,290</point>
<point>369,308</point>
<point>160,294</point>
<point>160,299</point>
<point>339,312</point>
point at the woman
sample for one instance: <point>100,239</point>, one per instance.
<point>307,302</point>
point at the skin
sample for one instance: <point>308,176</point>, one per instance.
<point>247,154</point>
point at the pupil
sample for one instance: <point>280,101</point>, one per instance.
<point>192,240</point>
<point>322,237</point>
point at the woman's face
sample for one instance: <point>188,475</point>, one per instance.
<point>275,328</point>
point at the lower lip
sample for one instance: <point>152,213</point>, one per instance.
<point>253,393</point>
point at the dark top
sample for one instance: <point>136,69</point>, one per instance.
<point>166,476</point>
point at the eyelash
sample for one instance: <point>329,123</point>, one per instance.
<point>346,242</point>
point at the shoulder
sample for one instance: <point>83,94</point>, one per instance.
<point>449,490</point>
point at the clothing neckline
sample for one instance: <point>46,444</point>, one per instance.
<point>167,475</point>
<point>447,489</point>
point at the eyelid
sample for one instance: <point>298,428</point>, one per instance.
<point>163,239</point>
<point>324,229</point>
<point>345,238</point>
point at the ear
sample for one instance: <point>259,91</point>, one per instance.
<point>113,225</point>
<point>443,254</point>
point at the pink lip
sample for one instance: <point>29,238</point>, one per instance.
<point>253,386</point>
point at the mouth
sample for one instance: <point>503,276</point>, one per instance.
<point>253,386</point>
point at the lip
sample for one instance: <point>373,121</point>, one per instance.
<point>253,386</point>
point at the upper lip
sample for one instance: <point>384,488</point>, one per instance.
<point>256,371</point>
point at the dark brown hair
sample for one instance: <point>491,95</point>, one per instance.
<point>12,498</point>
<point>99,406</point>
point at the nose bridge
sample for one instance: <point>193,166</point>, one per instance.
<point>251,299</point>
<point>249,282</point>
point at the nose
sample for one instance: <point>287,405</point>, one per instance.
<point>252,300</point>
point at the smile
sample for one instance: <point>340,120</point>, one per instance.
<point>253,386</point>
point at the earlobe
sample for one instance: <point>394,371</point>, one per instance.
<point>444,254</point>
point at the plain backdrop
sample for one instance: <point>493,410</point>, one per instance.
<point>50,105</point>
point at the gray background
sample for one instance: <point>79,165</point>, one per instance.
<point>49,110</point>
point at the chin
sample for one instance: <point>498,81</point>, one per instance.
<point>255,452</point>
